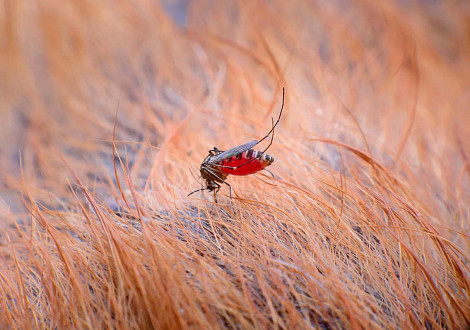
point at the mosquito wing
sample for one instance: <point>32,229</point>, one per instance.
<point>234,151</point>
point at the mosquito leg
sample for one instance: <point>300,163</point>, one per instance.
<point>269,133</point>
<point>207,169</point>
<point>269,172</point>
<point>230,190</point>
<point>216,190</point>
<point>215,151</point>
<point>230,194</point>
<point>272,138</point>
<point>279,118</point>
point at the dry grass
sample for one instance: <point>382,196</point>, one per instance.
<point>365,225</point>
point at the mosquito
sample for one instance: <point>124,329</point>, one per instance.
<point>239,160</point>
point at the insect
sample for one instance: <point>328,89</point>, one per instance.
<point>239,160</point>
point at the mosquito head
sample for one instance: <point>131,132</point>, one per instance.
<point>212,185</point>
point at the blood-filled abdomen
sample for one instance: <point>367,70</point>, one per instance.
<point>259,162</point>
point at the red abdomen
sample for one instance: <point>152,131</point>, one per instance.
<point>256,165</point>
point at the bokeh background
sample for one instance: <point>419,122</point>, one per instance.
<point>377,101</point>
